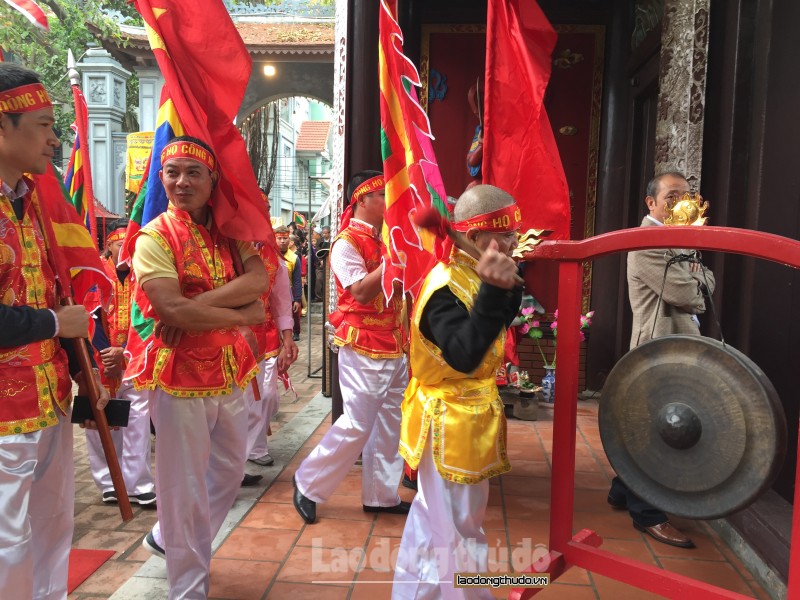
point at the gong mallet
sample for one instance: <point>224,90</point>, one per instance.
<point>432,220</point>
<point>102,425</point>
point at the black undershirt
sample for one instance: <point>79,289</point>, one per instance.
<point>464,337</point>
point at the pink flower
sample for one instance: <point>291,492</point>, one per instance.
<point>528,310</point>
<point>583,336</point>
<point>555,314</point>
<point>535,324</point>
<point>554,325</point>
<point>525,329</point>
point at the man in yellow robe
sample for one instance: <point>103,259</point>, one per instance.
<point>453,428</point>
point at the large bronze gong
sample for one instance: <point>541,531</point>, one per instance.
<point>692,426</point>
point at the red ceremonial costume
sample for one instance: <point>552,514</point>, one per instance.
<point>278,306</point>
<point>36,470</point>
<point>372,329</point>
<point>267,335</point>
<point>373,373</point>
<point>204,363</point>
<point>35,379</point>
<point>197,403</point>
<point>116,318</point>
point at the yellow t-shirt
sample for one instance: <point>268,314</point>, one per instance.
<point>151,261</point>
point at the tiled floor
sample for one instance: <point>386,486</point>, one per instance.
<point>347,554</point>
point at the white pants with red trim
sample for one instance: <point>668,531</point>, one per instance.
<point>372,390</point>
<point>132,444</point>
<point>260,413</point>
<point>37,497</point>
<point>443,535</point>
<point>200,456</point>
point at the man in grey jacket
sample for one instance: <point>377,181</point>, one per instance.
<point>682,299</point>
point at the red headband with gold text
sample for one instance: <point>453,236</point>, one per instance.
<point>186,149</point>
<point>25,98</point>
<point>117,235</point>
<point>375,184</point>
<point>498,221</point>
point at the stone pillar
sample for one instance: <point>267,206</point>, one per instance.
<point>681,96</point>
<point>104,88</point>
<point>150,84</point>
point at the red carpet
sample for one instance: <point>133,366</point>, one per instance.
<point>83,563</point>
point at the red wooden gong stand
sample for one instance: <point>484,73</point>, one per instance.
<point>583,549</point>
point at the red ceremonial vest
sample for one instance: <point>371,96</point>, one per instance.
<point>204,363</point>
<point>267,334</point>
<point>117,318</point>
<point>372,329</point>
<point>34,378</point>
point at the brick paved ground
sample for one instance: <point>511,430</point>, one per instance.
<point>266,551</point>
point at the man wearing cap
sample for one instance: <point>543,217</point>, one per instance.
<point>36,464</point>
<point>454,426</point>
<point>199,287</point>
<point>373,371</point>
<point>132,443</point>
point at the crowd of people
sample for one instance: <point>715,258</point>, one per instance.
<point>220,319</point>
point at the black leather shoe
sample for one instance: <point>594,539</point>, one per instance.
<point>306,508</point>
<point>398,509</point>
<point>251,480</point>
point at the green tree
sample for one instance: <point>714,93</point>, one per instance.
<point>74,24</point>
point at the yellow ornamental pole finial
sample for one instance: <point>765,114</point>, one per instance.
<point>688,210</point>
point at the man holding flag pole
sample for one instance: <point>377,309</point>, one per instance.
<point>39,242</point>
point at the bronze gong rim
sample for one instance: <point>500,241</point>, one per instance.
<point>692,426</point>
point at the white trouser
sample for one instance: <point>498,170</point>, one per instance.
<point>443,535</point>
<point>261,413</point>
<point>37,497</point>
<point>132,444</point>
<point>372,390</point>
<point>199,468</point>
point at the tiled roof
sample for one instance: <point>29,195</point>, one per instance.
<point>313,136</point>
<point>101,211</point>
<point>282,38</point>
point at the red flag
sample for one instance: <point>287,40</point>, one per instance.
<point>519,152</point>
<point>413,180</point>
<point>73,254</point>
<point>206,68</point>
<point>31,11</point>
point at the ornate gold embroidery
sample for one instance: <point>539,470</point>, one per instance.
<point>12,387</point>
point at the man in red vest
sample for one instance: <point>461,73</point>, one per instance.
<point>200,287</point>
<point>373,372</point>
<point>132,443</point>
<point>276,351</point>
<point>36,468</point>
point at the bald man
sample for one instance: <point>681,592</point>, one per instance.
<point>458,332</point>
